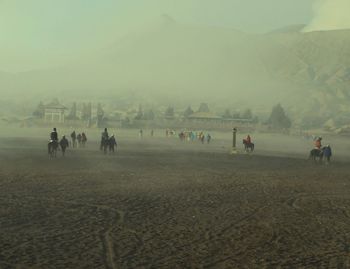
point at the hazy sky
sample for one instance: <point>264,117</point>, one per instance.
<point>40,33</point>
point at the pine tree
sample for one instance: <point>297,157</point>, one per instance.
<point>227,114</point>
<point>188,112</point>
<point>169,113</point>
<point>247,114</point>
<point>278,118</point>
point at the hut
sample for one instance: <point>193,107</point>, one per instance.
<point>54,112</point>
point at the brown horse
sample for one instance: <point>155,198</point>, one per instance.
<point>248,146</point>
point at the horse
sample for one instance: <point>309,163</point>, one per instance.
<point>52,148</point>
<point>316,155</point>
<point>248,146</point>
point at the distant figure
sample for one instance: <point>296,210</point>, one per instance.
<point>202,137</point>
<point>83,139</point>
<point>327,152</point>
<point>208,138</point>
<point>54,135</point>
<point>248,144</point>
<point>104,141</point>
<point>105,134</point>
<point>248,139</point>
<point>318,143</point>
<point>192,136</point>
<point>112,142</point>
<point>64,144</point>
<point>141,133</point>
<point>73,136</point>
<point>152,133</point>
<point>79,138</point>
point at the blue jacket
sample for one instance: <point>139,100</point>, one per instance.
<point>327,152</point>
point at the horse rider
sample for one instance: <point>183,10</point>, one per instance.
<point>54,135</point>
<point>105,134</point>
<point>248,139</point>
<point>64,144</point>
<point>318,144</point>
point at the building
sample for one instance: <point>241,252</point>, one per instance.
<point>54,112</point>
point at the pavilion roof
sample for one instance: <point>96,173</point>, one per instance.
<point>55,104</point>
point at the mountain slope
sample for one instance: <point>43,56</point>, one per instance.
<point>171,62</point>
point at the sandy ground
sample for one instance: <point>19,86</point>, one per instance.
<point>160,203</point>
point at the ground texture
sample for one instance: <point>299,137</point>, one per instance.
<point>167,208</point>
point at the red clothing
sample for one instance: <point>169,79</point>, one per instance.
<point>248,139</point>
<point>318,144</point>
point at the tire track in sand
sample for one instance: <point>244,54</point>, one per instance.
<point>106,239</point>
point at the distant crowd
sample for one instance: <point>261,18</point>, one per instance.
<point>109,142</point>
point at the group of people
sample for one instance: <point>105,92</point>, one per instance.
<point>323,151</point>
<point>108,142</point>
<point>141,133</point>
<point>63,143</point>
<point>81,138</point>
<point>192,136</point>
<point>55,142</point>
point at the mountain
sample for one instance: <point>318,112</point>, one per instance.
<point>171,62</point>
<point>295,28</point>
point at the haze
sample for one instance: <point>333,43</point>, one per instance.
<point>174,134</point>
<point>192,51</point>
<point>42,33</point>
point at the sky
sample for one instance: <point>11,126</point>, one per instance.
<point>42,33</point>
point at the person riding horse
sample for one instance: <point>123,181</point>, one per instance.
<point>319,152</point>
<point>248,145</point>
<point>53,143</point>
<point>54,135</point>
<point>318,143</point>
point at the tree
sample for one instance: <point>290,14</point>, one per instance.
<point>227,114</point>
<point>247,114</point>
<point>39,111</point>
<point>169,113</point>
<point>139,115</point>
<point>149,115</point>
<point>188,112</point>
<point>73,112</point>
<point>86,112</point>
<point>236,115</point>
<point>278,118</point>
<point>100,116</point>
<point>204,108</point>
